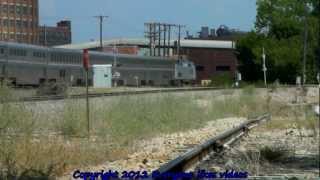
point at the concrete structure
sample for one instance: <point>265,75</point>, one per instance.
<point>19,21</point>
<point>211,57</point>
<point>53,36</point>
<point>102,76</point>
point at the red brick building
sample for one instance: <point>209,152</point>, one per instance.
<point>55,35</point>
<point>210,62</point>
<point>19,21</point>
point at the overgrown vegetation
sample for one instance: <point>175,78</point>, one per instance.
<point>47,139</point>
<point>279,28</point>
<point>222,80</point>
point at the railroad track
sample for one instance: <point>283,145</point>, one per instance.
<point>191,158</point>
<point>120,93</point>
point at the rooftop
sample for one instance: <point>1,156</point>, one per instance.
<point>185,43</point>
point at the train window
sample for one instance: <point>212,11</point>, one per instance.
<point>39,54</point>
<point>17,52</point>
<point>1,51</point>
<point>52,57</point>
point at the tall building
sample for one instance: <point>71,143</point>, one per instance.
<point>54,36</point>
<point>19,21</point>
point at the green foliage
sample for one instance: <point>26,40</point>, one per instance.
<point>280,29</point>
<point>222,80</point>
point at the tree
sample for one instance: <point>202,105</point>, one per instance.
<point>279,28</point>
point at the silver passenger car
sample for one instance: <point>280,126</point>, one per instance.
<point>32,65</point>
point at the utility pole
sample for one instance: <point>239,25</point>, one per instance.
<point>169,38</point>
<point>4,81</point>
<point>164,39</point>
<point>45,35</point>
<point>264,67</point>
<point>151,34</point>
<point>47,63</point>
<point>304,76</point>
<point>179,40</point>
<point>101,18</point>
<point>154,34</point>
<point>86,65</point>
<point>159,39</point>
<point>148,34</point>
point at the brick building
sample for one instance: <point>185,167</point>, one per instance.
<point>19,21</point>
<point>54,36</point>
<point>211,61</point>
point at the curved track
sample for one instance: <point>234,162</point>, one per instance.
<point>216,144</point>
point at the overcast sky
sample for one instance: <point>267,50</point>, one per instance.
<point>127,17</point>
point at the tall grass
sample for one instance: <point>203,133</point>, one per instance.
<point>47,142</point>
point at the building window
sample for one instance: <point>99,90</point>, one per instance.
<point>222,68</point>
<point>200,68</point>
<point>18,10</point>
<point>30,11</point>
<point>5,8</point>
<point>12,9</point>
<point>25,10</point>
<point>19,24</point>
<point>12,23</point>
<point>5,22</point>
<point>25,24</point>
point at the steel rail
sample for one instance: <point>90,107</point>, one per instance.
<point>120,93</point>
<point>216,144</point>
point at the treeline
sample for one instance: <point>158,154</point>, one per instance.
<point>280,29</point>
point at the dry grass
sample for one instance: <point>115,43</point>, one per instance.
<point>45,145</point>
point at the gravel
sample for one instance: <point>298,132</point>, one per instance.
<point>299,155</point>
<point>151,154</point>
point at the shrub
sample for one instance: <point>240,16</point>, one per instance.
<point>222,80</point>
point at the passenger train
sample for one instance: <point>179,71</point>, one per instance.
<point>33,65</point>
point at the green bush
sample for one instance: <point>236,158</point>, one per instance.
<point>222,80</point>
